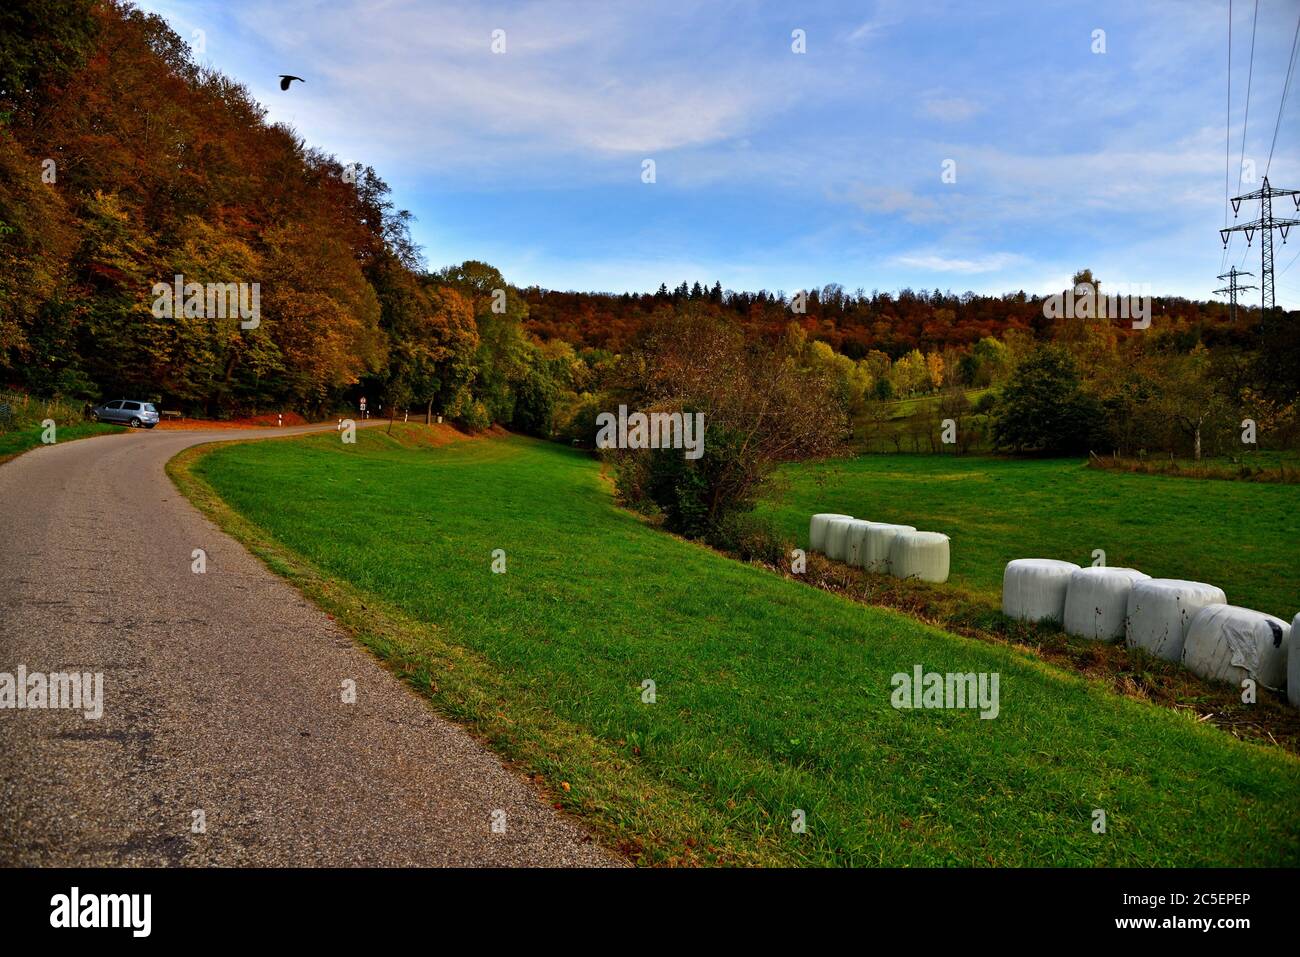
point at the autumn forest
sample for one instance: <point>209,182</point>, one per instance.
<point>123,164</point>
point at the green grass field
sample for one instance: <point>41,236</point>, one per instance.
<point>771,696</point>
<point>1241,536</point>
<point>27,437</point>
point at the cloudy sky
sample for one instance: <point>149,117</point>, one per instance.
<point>784,170</point>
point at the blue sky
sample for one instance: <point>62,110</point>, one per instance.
<point>780,170</point>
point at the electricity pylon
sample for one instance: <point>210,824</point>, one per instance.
<point>1232,288</point>
<point>1265,225</point>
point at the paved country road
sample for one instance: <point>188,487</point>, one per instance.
<point>222,693</point>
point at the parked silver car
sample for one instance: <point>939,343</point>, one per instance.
<point>134,414</point>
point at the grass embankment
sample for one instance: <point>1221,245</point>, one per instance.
<point>21,418</point>
<point>771,697</point>
<point>22,439</point>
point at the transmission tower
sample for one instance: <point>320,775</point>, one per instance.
<point>1265,225</point>
<point>1232,288</point>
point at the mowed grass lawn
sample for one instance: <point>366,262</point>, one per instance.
<point>1242,536</point>
<point>771,696</point>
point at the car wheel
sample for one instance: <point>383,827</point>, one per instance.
<point>135,423</point>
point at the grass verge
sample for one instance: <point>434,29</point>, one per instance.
<point>26,438</point>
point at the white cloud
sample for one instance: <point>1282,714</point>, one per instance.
<point>993,262</point>
<point>575,79</point>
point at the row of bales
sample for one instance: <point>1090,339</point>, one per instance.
<point>899,550</point>
<point>1181,621</point>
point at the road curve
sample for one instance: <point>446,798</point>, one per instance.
<point>222,694</point>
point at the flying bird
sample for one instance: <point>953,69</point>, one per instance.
<point>286,79</point>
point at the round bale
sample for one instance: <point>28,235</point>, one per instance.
<point>856,542</point>
<point>1227,643</point>
<point>817,530</point>
<point>1159,610</point>
<point>1034,589</point>
<point>921,555</point>
<point>875,547</point>
<point>1096,605</point>
<point>1293,665</point>
<point>837,538</point>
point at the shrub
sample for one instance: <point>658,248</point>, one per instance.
<point>474,417</point>
<point>1043,408</point>
<point>750,538</point>
<point>577,426</point>
<point>760,409</point>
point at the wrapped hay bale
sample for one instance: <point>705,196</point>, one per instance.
<point>856,542</point>
<point>1293,665</point>
<point>1227,643</point>
<point>1159,610</point>
<point>817,529</point>
<point>1096,605</point>
<point>837,538</point>
<point>875,546</point>
<point>1034,589</point>
<point>922,555</point>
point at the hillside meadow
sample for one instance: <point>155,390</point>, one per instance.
<point>770,700</point>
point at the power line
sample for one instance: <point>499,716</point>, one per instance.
<point>1290,264</point>
<point>1250,75</point>
<point>1286,85</point>
<point>1227,140</point>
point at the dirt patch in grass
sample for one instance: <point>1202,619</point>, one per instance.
<point>437,434</point>
<point>262,421</point>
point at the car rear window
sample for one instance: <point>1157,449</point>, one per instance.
<point>148,407</point>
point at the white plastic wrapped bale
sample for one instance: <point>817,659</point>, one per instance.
<point>817,529</point>
<point>1034,589</point>
<point>1293,665</point>
<point>837,538</point>
<point>922,555</point>
<point>1096,605</point>
<point>1227,643</point>
<point>855,542</point>
<point>1159,610</point>
<point>875,547</point>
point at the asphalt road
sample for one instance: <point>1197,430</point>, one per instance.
<point>222,693</point>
